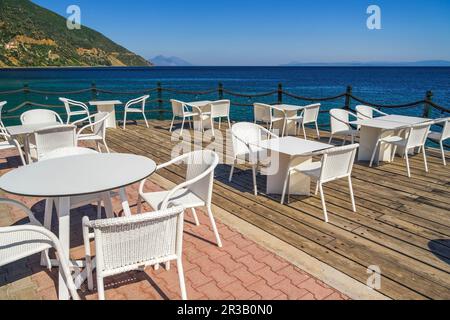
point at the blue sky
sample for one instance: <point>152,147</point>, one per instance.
<point>270,32</point>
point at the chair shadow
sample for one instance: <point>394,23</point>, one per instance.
<point>441,249</point>
<point>13,162</point>
<point>118,281</point>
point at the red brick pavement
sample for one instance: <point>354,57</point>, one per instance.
<point>242,269</point>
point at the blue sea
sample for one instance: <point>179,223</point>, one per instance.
<point>380,85</point>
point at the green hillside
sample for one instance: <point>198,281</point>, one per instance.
<point>32,36</point>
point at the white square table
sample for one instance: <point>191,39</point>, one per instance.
<point>382,127</point>
<point>198,125</point>
<point>25,130</point>
<point>290,111</point>
<point>66,177</point>
<point>109,107</point>
<point>285,153</point>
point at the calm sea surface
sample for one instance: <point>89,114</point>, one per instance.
<point>375,84</point>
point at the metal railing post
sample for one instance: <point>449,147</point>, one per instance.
<point>280,93</point>
<point>348,97</point>
<point>220,91</point>
<point>428,110</point>
<point>160,101</point>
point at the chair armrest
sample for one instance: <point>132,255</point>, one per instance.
<point>22,207</point>
<point>76,123</point>
<point>380,112</point>
<point>184,185</point>
<point>159,167</point>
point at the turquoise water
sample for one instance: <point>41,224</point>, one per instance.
<point>375,84</point>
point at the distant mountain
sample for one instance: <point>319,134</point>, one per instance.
<point>424,63</point>
<point>163,61</point>
<point>32,36</point>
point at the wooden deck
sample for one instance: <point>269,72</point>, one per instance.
<point>402,225</point>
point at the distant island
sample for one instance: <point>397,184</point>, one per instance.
<point>423,63</point>
<point>163,61</point>
<point>32,36</point>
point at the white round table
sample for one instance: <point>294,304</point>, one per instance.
<point>63,178</point>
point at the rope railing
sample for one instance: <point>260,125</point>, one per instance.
<point>381,106</point>
<point>313,99</point>
<point>143,91</point>
<point>250,95</point>
<point>428,104</point>
<point>56,93</point>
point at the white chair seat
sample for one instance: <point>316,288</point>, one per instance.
<point>435,136</point>
<point>23,245</point>
<point>312,169</point>
<point>182,197</point>
<point>352,132</point>
<point>296,118</point>
<point>396,140</point>
<point>190,114</point>
<point>88,136</point>
<point>78,113</point>
<point>134,110</point>
<point>205,116</point>
<point>274,119</point>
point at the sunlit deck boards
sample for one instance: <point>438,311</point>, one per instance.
<point>402,225</point>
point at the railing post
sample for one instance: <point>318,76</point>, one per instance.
<point>93,91</point>
<point>160,101</point>
<point>348,97</point>
<point>428,110</point>
<point>280,93</point>
<point>220,91</point>
<point>26,90</point>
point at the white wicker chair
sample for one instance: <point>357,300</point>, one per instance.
<point>221,109</point>
<point>130,107</point>
<point>75,108</point>
<point>416,138</point>
<point>310,114</point>
<point>98,128</point>
<point>19,242</point>
<point>366,112</point>
<point>337,163</point>
<point>133,243</point>
<point>340,125</point>
<point>245,138</point>
<point>52,138</point>
<point>179,110</point>
<point>195,192</point>
<point>440,137</point>
<point>265,113</point>
<point>37,116</point>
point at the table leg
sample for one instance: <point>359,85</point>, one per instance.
<point>111,121</point>
<point>368,141</point>
<point>280,164</point>
<point>106,197</point>
<point>26,146</point>
<point>200,124</point>
<point>64,238</point>
<point>125,205</point>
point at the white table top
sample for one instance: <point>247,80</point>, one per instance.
<point>293,146</point>
<point>198,104</point>
<point>105,103</point>
<point>29,128</point>
<point>289,107</point>
<point>77,175</point>
<point>390,122</point>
